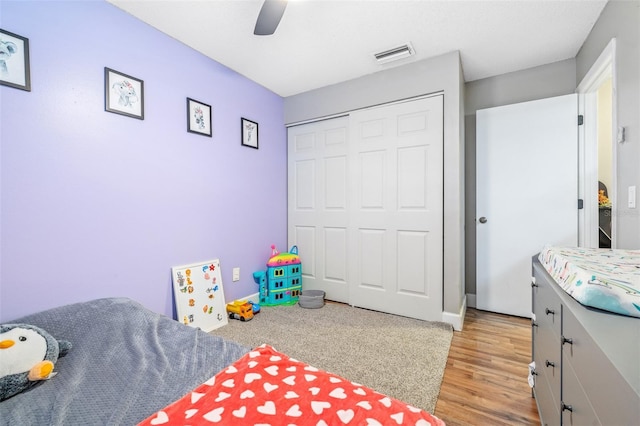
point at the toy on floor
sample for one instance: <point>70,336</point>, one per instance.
<point>240,310</point>
<point>281,283</point>
<point>27,356</point>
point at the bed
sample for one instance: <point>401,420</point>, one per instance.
<point>130,366</point>
<point>598,278</point>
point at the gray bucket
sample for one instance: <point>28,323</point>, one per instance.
<point>311,299</point>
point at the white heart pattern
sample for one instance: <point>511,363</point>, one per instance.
<point>273,370</point>
<point>294,411</point>
<point>398,417</point>
<point>214,415</point>
<point>345,415</point>
<point>386,401</point>
<point>160,419</point>
<point>195,397</point>
<point>250,377</point>
<point>269,387</point>
<point>222,396</point>
<point>240,412</point>
<point>247,394</point>
<point>338,393</point>
<point>319,406</point>
<point>268,408</point>
<point>364,404</point>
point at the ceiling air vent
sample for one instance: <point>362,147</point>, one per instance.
<point>394,54</point>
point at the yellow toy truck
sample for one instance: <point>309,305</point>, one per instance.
<point>240,310</point>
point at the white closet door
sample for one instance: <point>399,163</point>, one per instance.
<point>318,204</point>
<point>396,219</point>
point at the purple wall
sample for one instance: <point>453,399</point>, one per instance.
<point>96,204</point>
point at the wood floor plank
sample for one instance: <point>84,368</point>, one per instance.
<point>485,381</point>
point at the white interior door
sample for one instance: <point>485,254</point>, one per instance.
<point>318,204</point>
<point>396,248</point>
<point>527,191</point>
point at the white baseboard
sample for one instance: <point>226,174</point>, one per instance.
<point>456,320</point>
<point>471,300</point>
<point>255,298</point>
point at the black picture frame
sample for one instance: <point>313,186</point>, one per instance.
<point>199,118</point>
<point>15,68</point>
<point>249,133</point>
<point>123,94</point>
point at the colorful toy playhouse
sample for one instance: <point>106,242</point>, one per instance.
<point>281,283</point>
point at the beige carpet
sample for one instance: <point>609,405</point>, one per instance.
<point>400,357</point>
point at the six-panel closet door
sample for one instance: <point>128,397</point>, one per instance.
<point>366,206</point>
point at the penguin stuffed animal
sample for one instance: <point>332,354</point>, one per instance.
<point>27,356</point>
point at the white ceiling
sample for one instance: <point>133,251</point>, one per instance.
<point>323,42</point>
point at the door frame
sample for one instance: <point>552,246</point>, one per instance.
<point>604,67</point>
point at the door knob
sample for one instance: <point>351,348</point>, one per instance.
<point>483,219</point>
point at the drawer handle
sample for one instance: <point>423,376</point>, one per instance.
<point>534,284</point>
<point>567,340</point>
<point>549,363</point>
<point>566,407</point>
<point>549,311</point>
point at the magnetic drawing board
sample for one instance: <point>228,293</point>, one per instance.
<point>199,296</point>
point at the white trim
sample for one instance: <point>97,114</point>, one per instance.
<point>456,320</point>
<point>345,114</point>
<point>604,67</point>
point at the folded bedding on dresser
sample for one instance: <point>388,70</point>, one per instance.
<point>599,278</point>
<point>126,363</point>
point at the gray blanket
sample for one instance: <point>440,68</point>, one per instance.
<point>125,364</point>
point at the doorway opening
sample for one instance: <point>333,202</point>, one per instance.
<point>597,153</point>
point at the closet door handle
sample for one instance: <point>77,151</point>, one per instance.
<point>549,363</point>
<point>549,311</point>
<point>533,323</point>
<point>566,407</point>
<point>567,340</point>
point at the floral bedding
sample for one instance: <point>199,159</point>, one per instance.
<point>600,278</point>
<point>266,387</point>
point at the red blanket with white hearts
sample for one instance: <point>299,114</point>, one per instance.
<point>266,387</point>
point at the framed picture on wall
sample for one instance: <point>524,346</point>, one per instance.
<point>198,117</point>
<point>123,94</point>
<point>249,133</point>
<point>14,61</point>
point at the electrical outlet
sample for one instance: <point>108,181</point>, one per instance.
<point>236,274</point>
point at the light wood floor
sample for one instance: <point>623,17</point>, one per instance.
<point>485,381</point>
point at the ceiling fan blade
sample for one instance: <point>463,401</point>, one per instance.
<point>269,17</point>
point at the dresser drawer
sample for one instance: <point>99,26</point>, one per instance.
<point>546,306</point>
<point>612,398</point>
<point>546,354</point>
<point>547,402</point>
<point>577,410</point>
